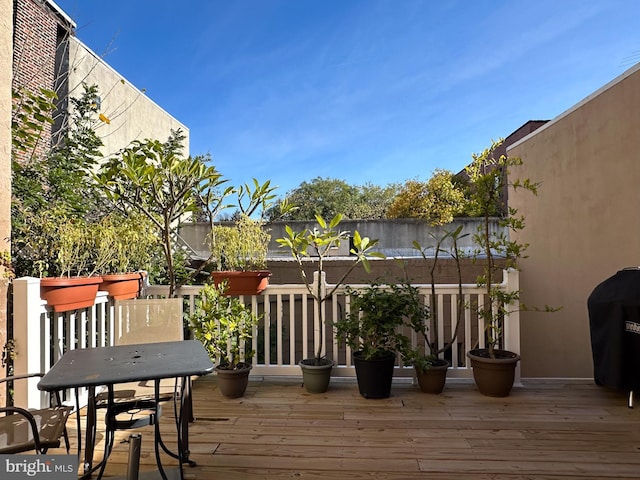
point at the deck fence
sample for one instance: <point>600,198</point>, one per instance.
<point>286,333</point>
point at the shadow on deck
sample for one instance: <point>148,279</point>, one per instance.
<point>554,430</point>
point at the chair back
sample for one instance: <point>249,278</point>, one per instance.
<point>148,321</point>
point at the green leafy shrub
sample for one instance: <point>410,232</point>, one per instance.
<point>224,325</point>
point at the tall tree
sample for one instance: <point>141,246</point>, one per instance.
<point>156,180</point>
<point>327,197</point>
<point>437,200</point>
<point>374,201</point>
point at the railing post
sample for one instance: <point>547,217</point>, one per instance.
<point>29,339</point>
<point>512,322</point>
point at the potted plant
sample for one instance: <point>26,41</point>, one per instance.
<point>430,368</point>
<point>373,328</point>
<point>239,253</point>
<point>125,248</point>
<point>225,327</point>
<point>70,281</point>
<point>312,247</point>
<point>493,367</point>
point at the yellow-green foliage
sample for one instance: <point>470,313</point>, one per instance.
<point>437,201</point>
<point>224,325</point>
<point>240,247</point>
<point>125,244</point>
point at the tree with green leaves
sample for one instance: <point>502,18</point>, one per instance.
<point>75,156</point>
<point>50,180</point>
<point>323,197</point>
<point>373,201</point>
<point>327,197</point>
<point>153,178</point>
<point>437,200</point>
<point>320,241</point>
<point>32,113</point>
<point>488,180</point>
<point>410,201</point>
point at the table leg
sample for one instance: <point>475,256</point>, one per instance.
<point>109,429</point>
<point>157,439</point>
<point>90,429</point>
<point>186,416</point>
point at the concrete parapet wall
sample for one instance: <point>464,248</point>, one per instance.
<point>396,236</point>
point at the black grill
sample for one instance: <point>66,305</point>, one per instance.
<point>614,318</point>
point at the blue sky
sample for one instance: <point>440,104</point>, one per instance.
<point>376,91</point>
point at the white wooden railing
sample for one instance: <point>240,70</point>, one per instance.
<point>287,333</point>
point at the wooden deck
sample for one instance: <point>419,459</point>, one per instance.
<point>277,431</point>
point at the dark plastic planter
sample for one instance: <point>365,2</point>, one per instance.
<point>374,376</point>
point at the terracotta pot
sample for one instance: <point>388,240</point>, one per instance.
<point>433,379</point>
<point>243,283</point>
<point>316,377</point>
<point>233,383</point>
<point>64,294</point>
<point>493,376</point>
<point>122,286</point>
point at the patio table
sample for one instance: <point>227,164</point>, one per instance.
<point>109,366</point>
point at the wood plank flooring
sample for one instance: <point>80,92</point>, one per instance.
<point>550,431</point>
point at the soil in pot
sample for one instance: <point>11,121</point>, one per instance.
<point>233,383</point>
<point>433,379</point>
<point>493,376</point>
<point>374,376</point>
<point>316,374</point>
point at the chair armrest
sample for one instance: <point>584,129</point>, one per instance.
<point>25,376</point>
<point>30,418</point>
<point>21,377</point>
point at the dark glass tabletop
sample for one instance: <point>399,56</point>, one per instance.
<point>127,363</point>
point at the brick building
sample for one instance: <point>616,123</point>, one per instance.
<point>47,54</point>
<point>41,33</point>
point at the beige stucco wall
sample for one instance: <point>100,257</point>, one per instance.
<point>133,115</point>
<point>6,56</point>
<point>583,226</point>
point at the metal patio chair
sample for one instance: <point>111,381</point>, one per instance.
<point>23,430</point>
<point>137,322</point>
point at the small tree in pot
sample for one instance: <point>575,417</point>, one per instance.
<point>373,329</point>
<point>317,370</point>
<point>493,367</point>
<point>430,368</point>
<point>225,327</point>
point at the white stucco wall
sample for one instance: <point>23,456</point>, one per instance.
<point>133,116</point>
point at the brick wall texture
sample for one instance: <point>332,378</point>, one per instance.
<point>35,40</point>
